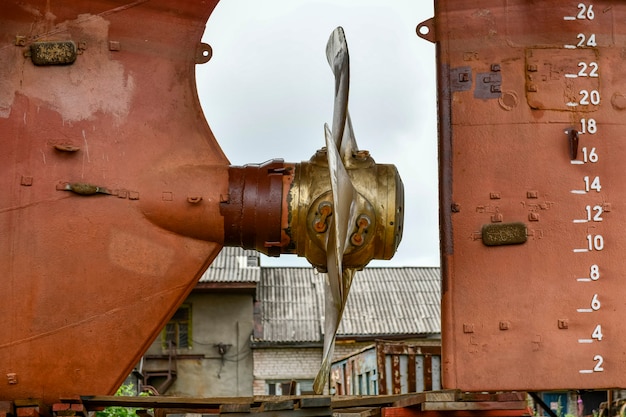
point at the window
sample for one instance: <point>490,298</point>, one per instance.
<point>178,330</point>
<point>249,261</point>
<point>283,387</point>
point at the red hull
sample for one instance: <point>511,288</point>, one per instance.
<point>88,281</point>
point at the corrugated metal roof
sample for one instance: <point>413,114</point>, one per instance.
<point>290,309</point>
<point>382,301</point>
<point>393,301</point>
<point>234,265</point>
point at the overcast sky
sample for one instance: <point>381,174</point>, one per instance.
<point>268,91</point>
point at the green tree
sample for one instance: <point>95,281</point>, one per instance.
<point>127,390</point>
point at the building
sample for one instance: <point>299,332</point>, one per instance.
<point>252,330</point>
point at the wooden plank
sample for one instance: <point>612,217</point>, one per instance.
<point>277,405</point>
<point>443,395</point>
<point>164,412</point>
<point>500,396</point>
<point>302,412</point>
<point>314,402</point>
<point>416,412</point>
<point>92,402</point>
<point>473,405</point>
<point>357,412</point>
<point>235,408</point>
<point>411,400</point>
<point>366,400</point>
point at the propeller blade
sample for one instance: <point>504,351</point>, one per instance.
<point>348,144</point>
<point>338,279</point>
<point>339,61</point>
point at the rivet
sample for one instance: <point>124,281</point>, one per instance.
<point>532,194</point>
<point>194,199</point>
<point>26,181</point>
<point>468,328</point>
<point>497,218</point>
<point>114,46</point>
<point>20,40</point>
<point>533,217</point>
<point>455,207</point>
<point>563,324</point>
<point>504,325</point>
<point>494,196</point>
<point>167,196</point>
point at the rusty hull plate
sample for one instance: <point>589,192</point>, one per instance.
<point>88,281</point>
<point>547,313</point>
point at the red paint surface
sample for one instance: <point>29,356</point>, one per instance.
<point>511,317</point>
<point>88,281</point>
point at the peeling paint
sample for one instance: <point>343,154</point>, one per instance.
<point>94,83</point>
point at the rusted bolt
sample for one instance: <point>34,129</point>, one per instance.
<point>455,207</point>
<point>362,223</point>
<point>563,324</point>
<point>325,210</point>
<point>504,325</point>
<point>20,40</point>
<point>495,67</point>
<point>468,328</point>
<point>362,155</point>
<point>194,199</point>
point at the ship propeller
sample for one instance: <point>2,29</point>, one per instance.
<point>341,148</point>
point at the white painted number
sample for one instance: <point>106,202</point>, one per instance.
<point>595,242</point>
<point>597,333</point>
<point>589,97</point>
<point>589,155</point>
<point>592,184</point>
<point>594,272</point>
<point>588,126</point>
<point>599,362</point>
<point>585,12</point>
<point>584,41</point>
<point>588,70</point>
<point>595,303</point>
<point>594,213</point>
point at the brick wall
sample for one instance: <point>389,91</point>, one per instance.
<point>274,364</point>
